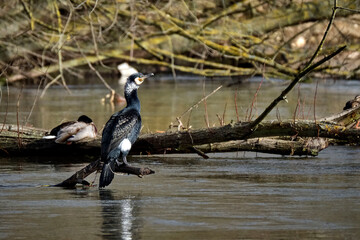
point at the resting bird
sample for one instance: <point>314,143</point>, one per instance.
<point>353,103</point>
<point>73,131</point>
<point>122,130</point>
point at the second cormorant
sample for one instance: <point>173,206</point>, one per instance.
<point>122,130</point>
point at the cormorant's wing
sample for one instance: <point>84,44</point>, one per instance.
<point>121,125</point>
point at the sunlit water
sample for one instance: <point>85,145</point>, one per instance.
<point>229,196</point>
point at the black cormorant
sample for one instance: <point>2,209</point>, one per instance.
<point>122,130</point>
<point>73,131</point>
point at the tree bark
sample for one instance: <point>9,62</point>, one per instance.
<point>300,147</point>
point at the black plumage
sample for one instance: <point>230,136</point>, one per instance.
<point>122,130</point>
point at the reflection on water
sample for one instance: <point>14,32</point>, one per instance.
<point>119,216</point>
<point>162,102</point>
<point>228,196</point>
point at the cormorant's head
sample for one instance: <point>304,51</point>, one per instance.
<point>134,81</point>
<point>138,78</point>
<point>85,119</point>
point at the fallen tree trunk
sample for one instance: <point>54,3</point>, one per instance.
<point>17,140</point>
<point>33,145</point>
<point>185,140</point>
<point>300,147</point>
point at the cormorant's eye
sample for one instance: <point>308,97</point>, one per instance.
<point>139,80</point>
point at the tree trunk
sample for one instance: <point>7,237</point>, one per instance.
<point>28,141</point>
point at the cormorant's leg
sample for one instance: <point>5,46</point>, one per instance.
<point>357,125</point>
<point>125,161</point>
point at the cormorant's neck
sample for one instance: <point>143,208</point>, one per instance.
<point>132,99</point>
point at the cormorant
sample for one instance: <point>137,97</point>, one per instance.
<point>122,130</point>
<point>73,131</point>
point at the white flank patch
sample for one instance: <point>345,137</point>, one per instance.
<point>49,137</point>
<point>125,145</point>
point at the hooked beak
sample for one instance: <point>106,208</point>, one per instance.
<point>148,75</point>
<point>140,80</point>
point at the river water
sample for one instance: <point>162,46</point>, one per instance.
<point>228,196</point>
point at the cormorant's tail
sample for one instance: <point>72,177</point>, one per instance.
<point>107,174</point>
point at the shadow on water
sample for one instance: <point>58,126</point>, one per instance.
<point>120,216</point>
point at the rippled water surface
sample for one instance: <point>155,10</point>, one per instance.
<point>228,196</point>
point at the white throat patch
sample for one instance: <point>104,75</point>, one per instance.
<point>129,87</point>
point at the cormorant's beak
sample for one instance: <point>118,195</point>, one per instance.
<point>147,76</point>
<point>140,80</point>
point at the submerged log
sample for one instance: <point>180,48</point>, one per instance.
<point>79,176</point>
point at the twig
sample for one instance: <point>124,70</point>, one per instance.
<point>235,8</point>
<point>17,117</point>
<point>298,105</point>
<point>115,18</point>
<point>236,107</point>
<point>291,39</point>
<point>206,116</point>
<point>223,117</point>
<point>92,68</point>
<point>316,89</point>
<point>349,9</point>
<point>197,104</point>
<point>8,98</point>
<point>93,9</point>
<point>61,42</point>
<point>34,103</point>
<point>32,20</point>
<point>49,84</point>
<point>254,99</point>
<point>199,152</point>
